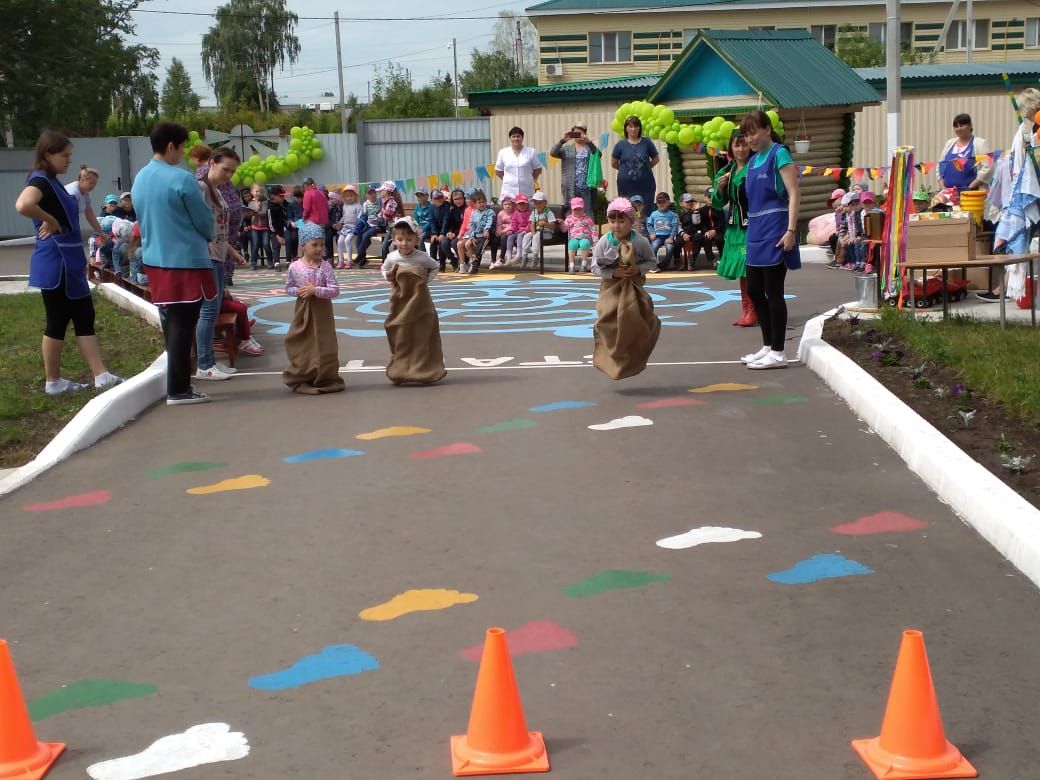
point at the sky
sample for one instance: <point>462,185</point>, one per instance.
<point>423,46</point>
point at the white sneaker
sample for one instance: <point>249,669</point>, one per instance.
<point>754,357</point>
<point>107,379</point>
<point>211,373</point>
<point>574,268</point>
<point>584,268</point>
<point>498,264</point>
<point>61,386</point>
<point>226,368</point>
<point>772,360</point>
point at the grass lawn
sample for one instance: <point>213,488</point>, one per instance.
<point>1002,364</point>
<point>29,418</point>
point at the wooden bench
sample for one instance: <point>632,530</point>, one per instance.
<point>225,339</point>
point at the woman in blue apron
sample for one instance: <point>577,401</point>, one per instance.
<point>772,235</point>
<point>58,266</point>
<point>958,167</point>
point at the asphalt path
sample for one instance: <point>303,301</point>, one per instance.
<point>634,660</point>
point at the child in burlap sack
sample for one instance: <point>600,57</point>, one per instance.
<point>626,328</point>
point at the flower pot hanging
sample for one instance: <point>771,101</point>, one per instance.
<point>803,139</point>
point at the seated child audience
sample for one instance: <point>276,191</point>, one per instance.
<point>663,227</point>
<point>421,214</point>
<point>346,238</point>
<point>519,229</point>
<point>543,225</point>
<point>478,233</point>
<point>439,210</point>
<point>370,224</point>
<point>503,222</point>
<point>581,232</point>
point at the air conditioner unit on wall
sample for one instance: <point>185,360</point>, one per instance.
<point>554,70</point>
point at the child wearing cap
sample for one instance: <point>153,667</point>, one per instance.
<point>370,224</point>
<point>421,215</point>
<point>663,226</point>
<point>481,226</point>
<point>111,206</point>
<point>626,329</point>
<point>346,238</point>
<point>391,210</point>
<point>125,209</point>
<point>921,200</point>
<point>412,326</point>
<point>503,229</point>
<point>311,344</point>
<point>543,225</point>
<point>439,211</point>
<point>581,231</point>
<point>640,220</point>
<point>519,229</point>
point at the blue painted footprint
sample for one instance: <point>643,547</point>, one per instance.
<point>819,567</point>
<point>332,661</point>
<point>327,454</point>
<point>557,405</point>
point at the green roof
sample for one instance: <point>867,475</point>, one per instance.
<point>790,68</point>
<point>622,89</point>
<point>649,5</point>
<point>958,75</point>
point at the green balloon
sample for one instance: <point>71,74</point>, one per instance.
<point>618,126</point>
<point>685,136</point>
<point>295,131</point>
<point>260,178</point>
<point>305,159</point>
<point>247,181</point>
<point>318,153</point>
<point>667,116</point>
<point>235,179</point>
<point>671,136</point>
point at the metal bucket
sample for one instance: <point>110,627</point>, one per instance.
<point>866,291</point>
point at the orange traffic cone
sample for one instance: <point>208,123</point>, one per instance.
<point>21,756</point>
<point>497,742</point>
<point>912,745</point>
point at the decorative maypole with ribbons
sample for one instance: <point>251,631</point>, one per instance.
<point>897,214</point>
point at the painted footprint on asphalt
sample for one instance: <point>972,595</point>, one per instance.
<point>779,400</point>
<point>424,600</point>
<point>614,579</point>
<point>331,661</point>
<point>516,424</point>
<point>556,406</point>
<point>708,534</point>
<point>447,451</point>
<point>824,566</point>
<point>235,483</point>
<point>86,693</point>
<point>207,743</point>
<point>326,454</point>
<point>94,498</point>
<point>396,430</point>
<point>723,387</point>
<point>538,636</point>
<point>880,523</point>
<point>670,403</point>
<point>185,467</point>
<point>632,421</point>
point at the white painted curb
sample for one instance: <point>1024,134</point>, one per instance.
<point>1001,516</point>
<point>108,411</point>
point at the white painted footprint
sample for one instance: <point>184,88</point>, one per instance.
<point>632,421</point>
<point>207,743</point>
<point>706,535</point>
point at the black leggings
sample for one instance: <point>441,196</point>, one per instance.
<point>765,288</point>
<point>60,308</point>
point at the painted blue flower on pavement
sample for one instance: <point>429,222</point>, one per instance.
<point>561,307</point>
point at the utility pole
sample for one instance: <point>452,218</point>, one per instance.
<point>343,118</point>
<point>455,60</point>
<point>519,50</point>
<point>893,95</point>
<point>969,33</point>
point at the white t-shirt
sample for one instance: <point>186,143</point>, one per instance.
<point>517,170</point>
<point>83,198</point>
<point>122,229</point>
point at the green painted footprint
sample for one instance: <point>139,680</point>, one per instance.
<point>509,425</point>
<point>87,693</point>
<point>613,579</point>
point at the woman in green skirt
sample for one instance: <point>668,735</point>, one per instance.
<point>729,190</point>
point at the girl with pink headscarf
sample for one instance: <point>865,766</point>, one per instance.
<point>626,328</point>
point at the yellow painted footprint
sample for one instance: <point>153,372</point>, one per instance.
<point>425,600</point>
<point>235,483</point>
<point>396,430</point>
<point>723,387</point>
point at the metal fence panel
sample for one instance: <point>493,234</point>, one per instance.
<point>417,148</point>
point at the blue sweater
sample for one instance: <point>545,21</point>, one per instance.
<point>663,224</point>
<point>175,221</point>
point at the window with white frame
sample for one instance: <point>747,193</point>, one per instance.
<point>826,34</point>
<point>1033,33</point>
<point>878,32</point>
<point>957,35</point>
<point>610,47</point>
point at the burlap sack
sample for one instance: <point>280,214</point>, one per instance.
<point>312,349</point>
<point>413,330</point>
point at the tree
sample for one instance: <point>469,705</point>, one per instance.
<point>506,39</point>
<point>859,51</point>
<point>394,98</point>
<point>178,98</point>
<point>248,42</point>
<point>493,70</point>
<point>69,68</point>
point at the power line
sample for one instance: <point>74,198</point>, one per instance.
<point>311,18</point>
